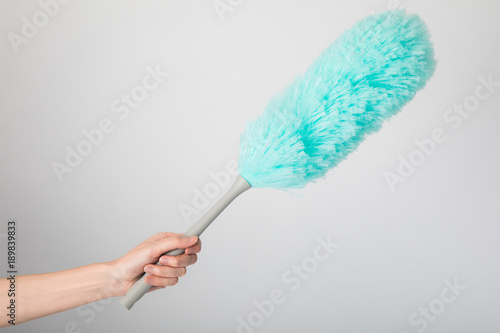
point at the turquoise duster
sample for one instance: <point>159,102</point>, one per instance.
<point>366,76</point>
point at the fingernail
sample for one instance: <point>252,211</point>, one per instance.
<point>148,269</point>
<point>191,238</point>
<point>164,260</point>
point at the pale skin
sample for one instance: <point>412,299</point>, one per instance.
<point>41,295</point>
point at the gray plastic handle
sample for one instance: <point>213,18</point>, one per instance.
<point>139,288</point>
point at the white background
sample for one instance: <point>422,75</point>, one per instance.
<point>396,248</point>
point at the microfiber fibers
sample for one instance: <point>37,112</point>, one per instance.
<point>366,76</point>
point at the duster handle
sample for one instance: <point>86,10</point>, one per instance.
<point>139,288</point>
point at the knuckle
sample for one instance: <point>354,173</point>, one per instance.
<point>151,252</point>
<point>158,236</point>
<point>153,281</point>
<point>174,281</point>
<point>175,261</point>
<point>178,238</point>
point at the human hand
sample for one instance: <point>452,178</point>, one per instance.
<point>127,269</point>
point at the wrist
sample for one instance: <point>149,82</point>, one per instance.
<point>110,285</point>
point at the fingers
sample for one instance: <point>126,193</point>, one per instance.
<point>179,261</point>
<point>160,282</point>
<point>172,267</point>
<point>170,242</point>
<point>196,248</point>
<point>153,288</point>
<point>165,271</point>
<point>163,276</point>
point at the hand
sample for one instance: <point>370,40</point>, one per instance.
<point>127,269</point>
<point>48,293</point>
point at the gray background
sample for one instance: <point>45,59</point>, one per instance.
<point>396,248</point>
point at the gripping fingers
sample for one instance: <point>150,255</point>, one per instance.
<point>179,261</point>
<point>196,248</point>
<point>165,271</point>
<point>161,281</point>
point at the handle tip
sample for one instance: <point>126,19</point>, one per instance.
<point>127,302</point>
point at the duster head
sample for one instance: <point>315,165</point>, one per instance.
<point>366,76</point>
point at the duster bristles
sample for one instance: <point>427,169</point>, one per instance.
<point>366,76</point>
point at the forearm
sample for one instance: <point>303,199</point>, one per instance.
<point>44,294</point>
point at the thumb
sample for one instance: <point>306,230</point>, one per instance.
<point>171,243</point>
